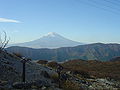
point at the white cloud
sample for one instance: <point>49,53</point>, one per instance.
<point>9,20</point>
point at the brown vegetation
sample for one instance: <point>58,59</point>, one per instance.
<point>53,64</point>
<point>18,54</point>
<point>68,85</point>
<point>43,62</point>
<point>94,68</point>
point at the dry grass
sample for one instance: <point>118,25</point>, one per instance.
<point>95,68</point>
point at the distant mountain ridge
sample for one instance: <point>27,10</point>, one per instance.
<point>97,51</point>
<point>50,40</point>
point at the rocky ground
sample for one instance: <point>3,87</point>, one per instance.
<point>94,83</point>
<point>44,77</point>
<point>75,79</point>
<point>37,76</point>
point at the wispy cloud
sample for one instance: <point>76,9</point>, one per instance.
<point>9,20</point>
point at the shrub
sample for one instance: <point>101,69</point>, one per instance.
<point>18,54</point>
<point>53,64</point>
<point>43,62</point>
<point>69,85</point>
<point>82,73</point>
<point>54,77</point>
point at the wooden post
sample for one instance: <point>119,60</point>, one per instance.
<point>59,79</point>
<point>23,74</point>
<point>59,69</point>
<point>24,60</point>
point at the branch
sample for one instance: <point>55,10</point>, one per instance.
<point>3,41</point>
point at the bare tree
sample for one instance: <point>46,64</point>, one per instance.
<point>4,40</point>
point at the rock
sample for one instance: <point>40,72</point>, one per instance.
<point>28,85</point>
<point>64,76</point>
<point>20,85</point>
<point>2,88</point>
<point>40,83</point>
<point>3,83</point>
<point>45,74</point>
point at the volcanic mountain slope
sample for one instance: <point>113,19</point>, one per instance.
<point>97,51</point>
<point>50,40</point>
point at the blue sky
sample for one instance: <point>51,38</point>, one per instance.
<point>87,21</point>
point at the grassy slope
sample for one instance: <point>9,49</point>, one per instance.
<point>95,68</point>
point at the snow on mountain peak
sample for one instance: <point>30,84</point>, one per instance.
<point>51,34</point>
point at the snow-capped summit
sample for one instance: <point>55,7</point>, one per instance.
<point>51,34</point>
<point>50,40</point>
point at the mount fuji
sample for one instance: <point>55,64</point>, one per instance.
<point>50,40</point>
